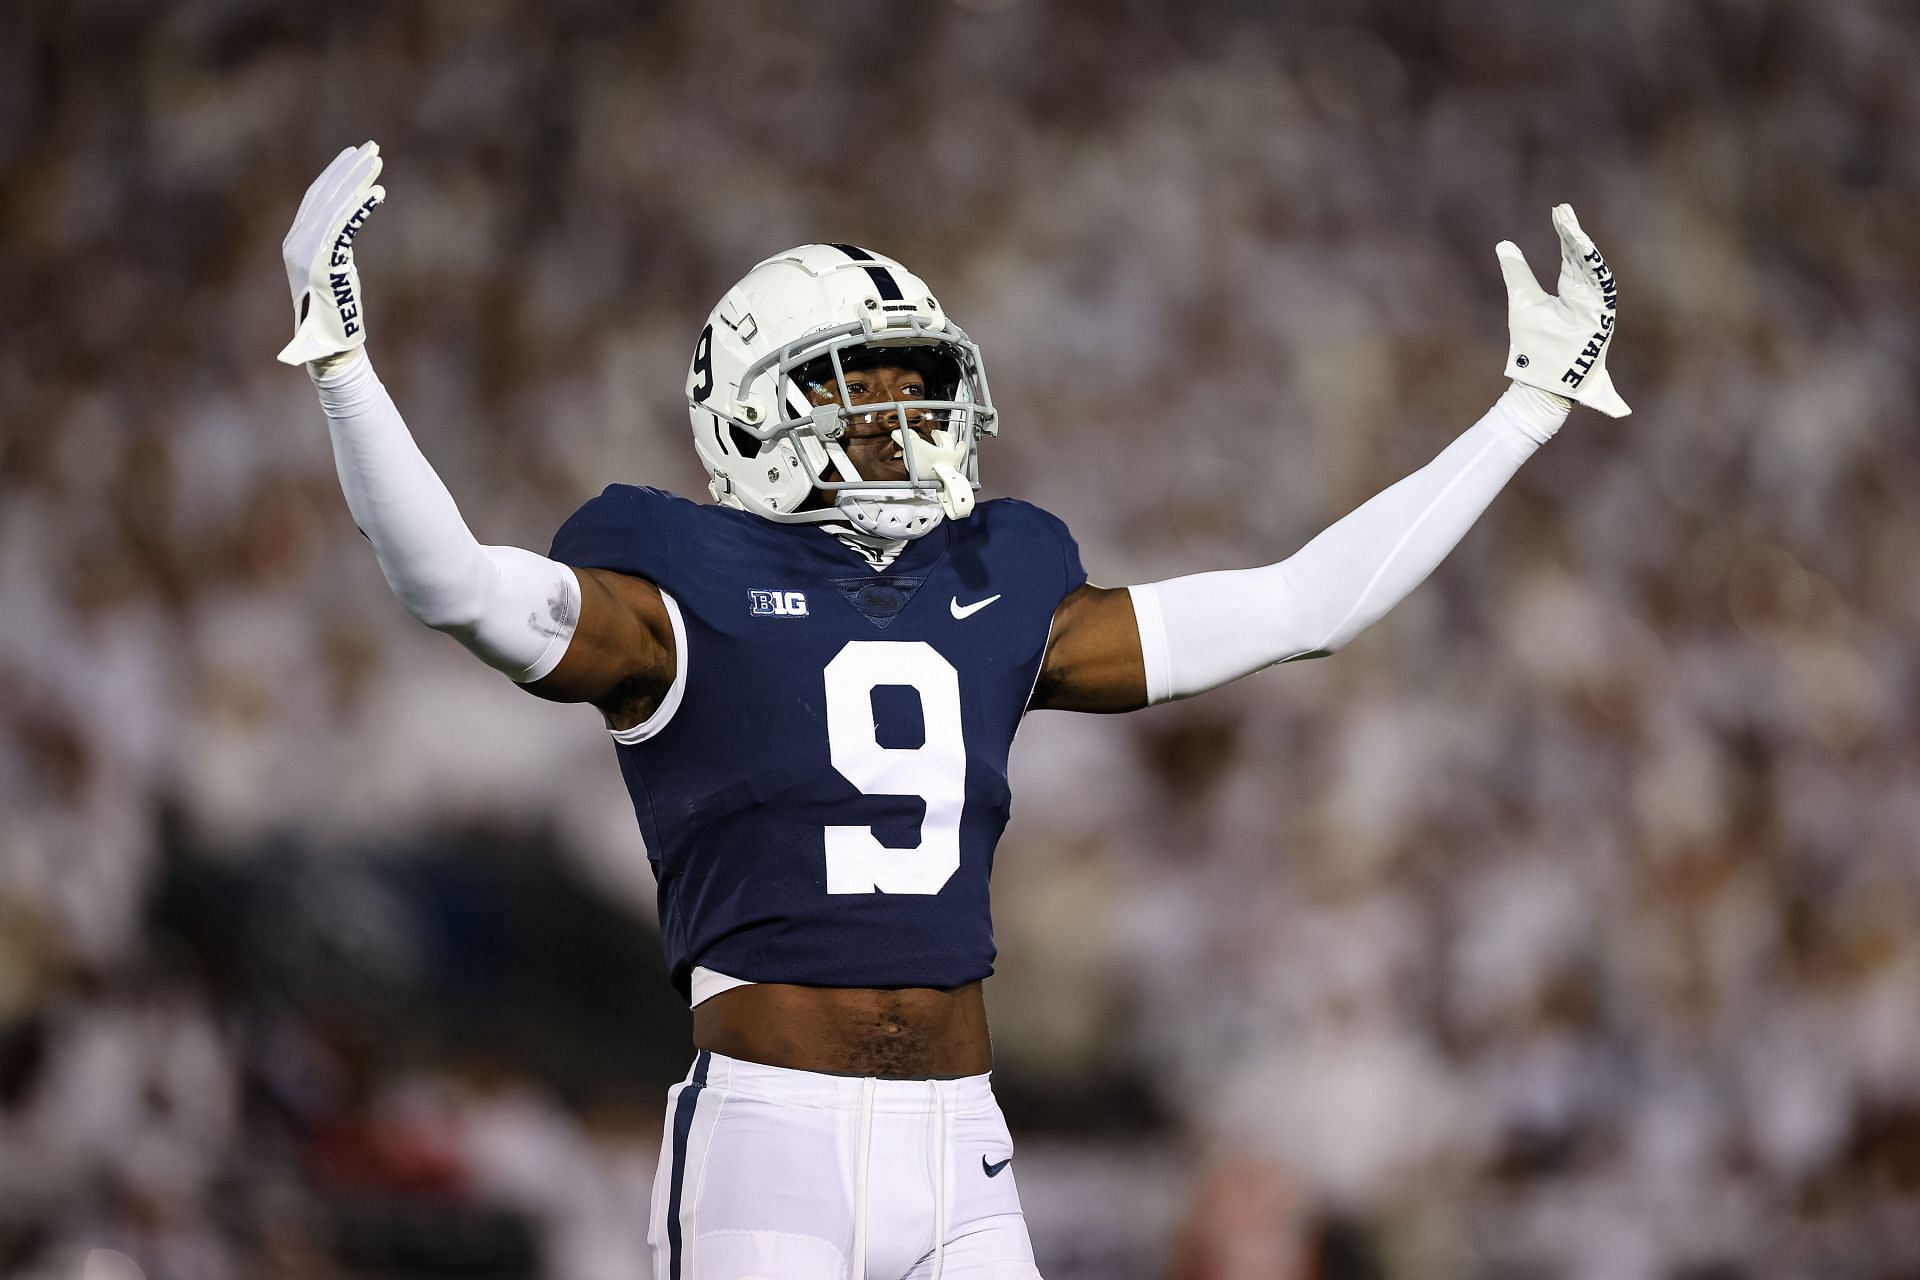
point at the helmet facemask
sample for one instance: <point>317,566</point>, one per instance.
<point>943,465</point>
<point>936,434</point>
<point>791,333</point>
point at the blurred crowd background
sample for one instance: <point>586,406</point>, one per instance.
<point>1565,925</point>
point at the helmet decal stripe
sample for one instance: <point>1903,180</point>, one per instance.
<point>882,278</point>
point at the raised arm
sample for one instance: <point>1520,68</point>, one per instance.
<point>571,635</point>
<point>1119,649</point>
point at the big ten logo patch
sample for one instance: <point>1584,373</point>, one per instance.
<point>778,604</point>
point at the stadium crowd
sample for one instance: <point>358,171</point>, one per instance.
<point>1567,924</point>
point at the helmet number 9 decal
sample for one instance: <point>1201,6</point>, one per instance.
<point>936,770</point>
<point>703,364</point>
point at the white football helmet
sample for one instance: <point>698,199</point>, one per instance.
<point>796,320</point>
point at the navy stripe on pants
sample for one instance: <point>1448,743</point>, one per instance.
<point>682,1128</point>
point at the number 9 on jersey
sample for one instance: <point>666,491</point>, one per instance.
<point>936,770</point>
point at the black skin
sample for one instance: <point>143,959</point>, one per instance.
<point>621,660</point>
<point>869,440</point>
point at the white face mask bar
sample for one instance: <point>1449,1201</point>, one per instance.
<point>942,465</point>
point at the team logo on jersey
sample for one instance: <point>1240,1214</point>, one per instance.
<point>778,604</point>
<point>879,599</point>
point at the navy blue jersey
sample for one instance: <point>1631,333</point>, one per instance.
<point>822,801</point>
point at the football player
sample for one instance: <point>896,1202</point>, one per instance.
<point>812,683</point>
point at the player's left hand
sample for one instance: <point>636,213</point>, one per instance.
<point>1560,344</point>
<point>328,316</point>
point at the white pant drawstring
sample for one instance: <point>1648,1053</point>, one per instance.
<point>940,1161</point>
<point>864,1155</point>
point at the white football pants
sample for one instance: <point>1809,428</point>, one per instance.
<point>772,1174</point>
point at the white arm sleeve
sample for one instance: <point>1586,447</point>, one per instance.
<point>1200,632</point>
<point>515,610</point>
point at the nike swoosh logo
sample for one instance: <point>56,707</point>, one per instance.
<point>993,1170</point>
<point>968,610</point>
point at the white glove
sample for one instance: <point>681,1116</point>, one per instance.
<point>328,317</point>
<point>1559,345</point>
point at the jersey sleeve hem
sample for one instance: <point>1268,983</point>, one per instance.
<point>663,714</point>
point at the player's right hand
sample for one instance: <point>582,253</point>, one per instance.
<point>1560,344</point>
<point>328,315</point>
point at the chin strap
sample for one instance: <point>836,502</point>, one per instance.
<point>891,513</point>
<point>956,495</point>
<point>878,552</point>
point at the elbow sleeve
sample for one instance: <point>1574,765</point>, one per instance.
<point>514,609</point>
<point>526,617</point>
<point>1200,632</point>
